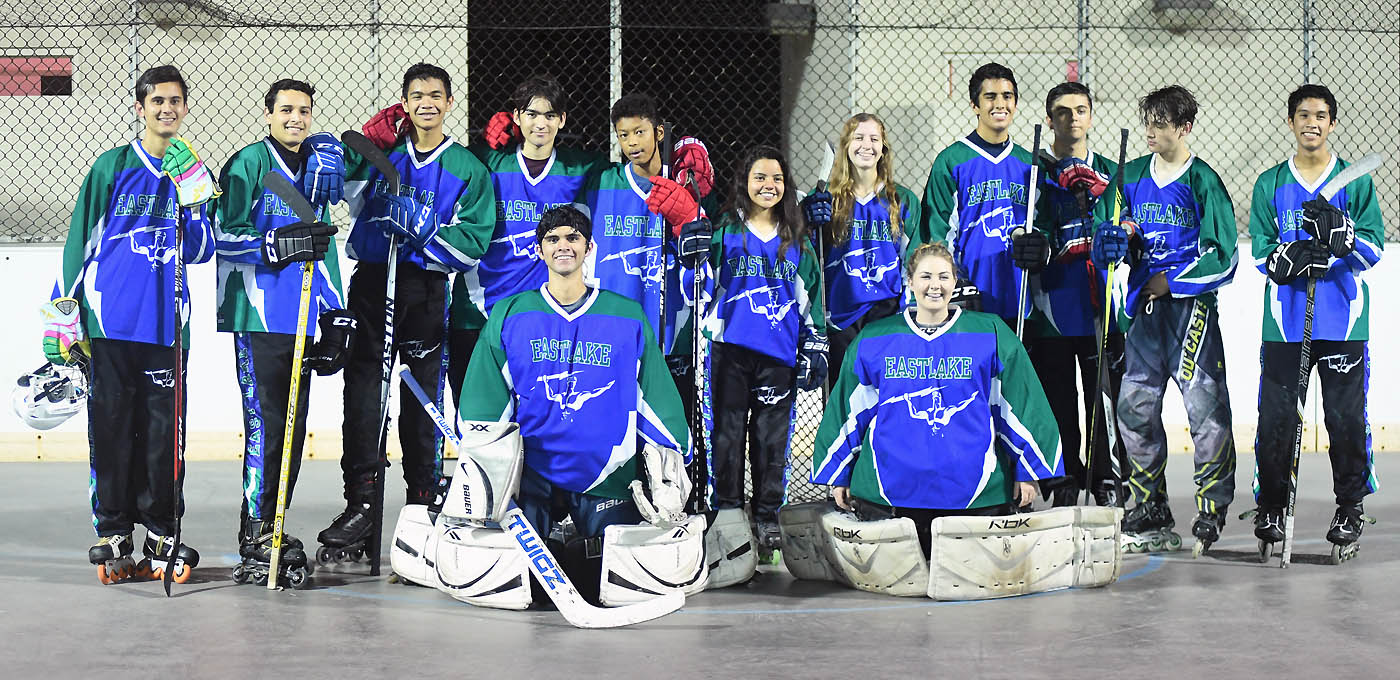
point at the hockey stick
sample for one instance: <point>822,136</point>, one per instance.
<point>1030,224</point>
<point>577,611</point>
<point>179,463</point>
<point>1369,162</point>
<point>824,172</point>
<point>283,189</point>
<point>361,145</point>
<point>1102,379</point>
<point>700,465</point>
<point>666,171</point>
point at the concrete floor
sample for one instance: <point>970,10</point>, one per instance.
<point>1169,616</point>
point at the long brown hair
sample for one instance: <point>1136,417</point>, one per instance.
<point>792,228</point>
<point>843,184</point>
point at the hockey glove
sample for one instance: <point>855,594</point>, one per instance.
<point>695,241</point>
<point>408,219</point>
<point>1327,223</point>
<point>300,242</point>
<point>500,131</point>
<point>329,354</point>
<point>1110,245</point>
<point>1074,240</point>
<point>817,209</point>
<point>692,161</point>
<point>387,127</point>
<point>62,329</point>
<point>673,202</point>
<point>811,363</point>
<point>966,296</point>
<point>1291,260</point>
<point>1074,175</point>
<point>1030,250</point>
<point>323,182</point>
<point>669,486</point>
<point>193,182</point>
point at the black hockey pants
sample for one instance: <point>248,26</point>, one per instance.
<point>744,382</point>
<point>263,362</point>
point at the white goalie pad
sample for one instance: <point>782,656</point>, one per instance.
<point>805,549</point>
<point>411,553</point>
<point>975,558</point>
<point>480,566</point>
<point>644,561</point>
<point>882,556</point>
<point>730,549</point>
<point>491,459</point>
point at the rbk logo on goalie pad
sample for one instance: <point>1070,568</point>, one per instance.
<point>529,541</point>
<point>149,241</point>
<point>764,302</point>
<point>936,415</point>
<point>164,377</point>
<point>768,396</point>
<point>868,270</point>
<point>1340,363</point>
<point>529,250</point>
<point>644,262</point>
<point>1010,523</point>
<point>562,389</point>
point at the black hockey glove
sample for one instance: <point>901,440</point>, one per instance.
<point>1327,223</point>
<point>811,363</point>
<point>329,354</point>
<point>300,242</point>
<point>966,296</point>
<point>695,240</point>
<point>1291,260</point>
<point>1030,250</point>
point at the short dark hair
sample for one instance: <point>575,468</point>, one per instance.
<point>990,71</point>
<point>1172,104</point>
<point>152,77</point>
<point>563,216</point>
<point>543,87</point>
<point>270,98</point>
<point>1063,89</point>
<point>1297,96</point>
<point>425,71</point>
<point>636,105</point>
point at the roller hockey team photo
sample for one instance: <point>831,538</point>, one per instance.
<point>781,339</point>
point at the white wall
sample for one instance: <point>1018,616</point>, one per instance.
<point>27,273</point>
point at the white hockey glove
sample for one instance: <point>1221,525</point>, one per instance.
<point>669,486</point>
<point>194,183</point>
<point>63,330</point>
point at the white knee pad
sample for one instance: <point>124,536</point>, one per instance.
<point>975,558</point>
<point>480,566</point>
<point>489,466</point>
<point>730,549</point>
<point>643,561</point>
<point>414,543</point>
<point>882,556</point>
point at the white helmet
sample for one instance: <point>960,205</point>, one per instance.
<point>47,397</point>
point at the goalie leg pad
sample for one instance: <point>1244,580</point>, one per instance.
<point>1098,561</point>
<point>481,566</point>
<point>805,544</point>
<point>730,549</point>
<point>490,463</point>
<point>414,544</point>
<point>976,558</point>
<point>882,556</point>
<point>644,561</point>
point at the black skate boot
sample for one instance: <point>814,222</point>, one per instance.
<point>112,555</point>
<point>1106,494</point>
<point>770,542</point>
<point>255,549</point>
<point>1268,528</point>
<point>347,538</point>
<point>1064,496</point>
<point>1148,528</point>
<point>1206,529</point>
<point>158,550</point>
<point>1346,531</point>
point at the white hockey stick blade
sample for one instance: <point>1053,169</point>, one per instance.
<point>576,610</point>
<point>1351,173</point>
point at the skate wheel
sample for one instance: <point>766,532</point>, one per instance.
<point>297,577</point>
<point>1198,548</point>
<point>182,573</point>
<point>143,571</point>
<point>1173,543</point>
<point>353,555</point>
<point>324,555</point>
<point>239,576</point>
<point>260,578</point>
<point>1266,550</point>
<point>104,577</point>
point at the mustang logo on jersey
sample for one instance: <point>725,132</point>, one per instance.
<point>650,267</point>
<point>869,271</point>
<point>530,249</point>
<point>997,224</point>
<point>562,389</point>
<point>152,244</point>
<point>936,415</point>
<point>764,302</point>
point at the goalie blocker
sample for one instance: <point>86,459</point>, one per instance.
<point>465,552</point>
<point>971,558</point>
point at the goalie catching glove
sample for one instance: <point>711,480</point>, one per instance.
<point>300,242</point>
<point>1291,260</point>
<point>329,353</point>
<point>669,486</point>
<point>62,329</point>
<point>323,182</point>
<point>1327,223</point>
<point>408,219</point>
<point>673,202</point>
<point>193,183</point>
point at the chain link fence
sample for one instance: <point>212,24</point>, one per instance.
<point>736,73</point>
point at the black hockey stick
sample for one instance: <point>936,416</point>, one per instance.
<point>280,187</point>
<point>361,145</point>
<point>1030,224</point>
<point>178,480</point>
<point>667,151</point>
<point>1103,378</point>
<point>700,464</point>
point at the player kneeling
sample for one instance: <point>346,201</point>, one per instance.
<point>937,423</point>
<point>579,369</point>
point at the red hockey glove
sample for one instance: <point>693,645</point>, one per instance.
<point>500,130</point>
<point>387,127</point>
<point>692,160</point>
<point>673,202</point>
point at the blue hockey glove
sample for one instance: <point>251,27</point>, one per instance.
<point>817,208</point>
<point>323,182</point>
<point>811,363</point>
<point>1073,240</point>
<point>1074,175</point>
<point>1110,245</point>
<point>408,219</point>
